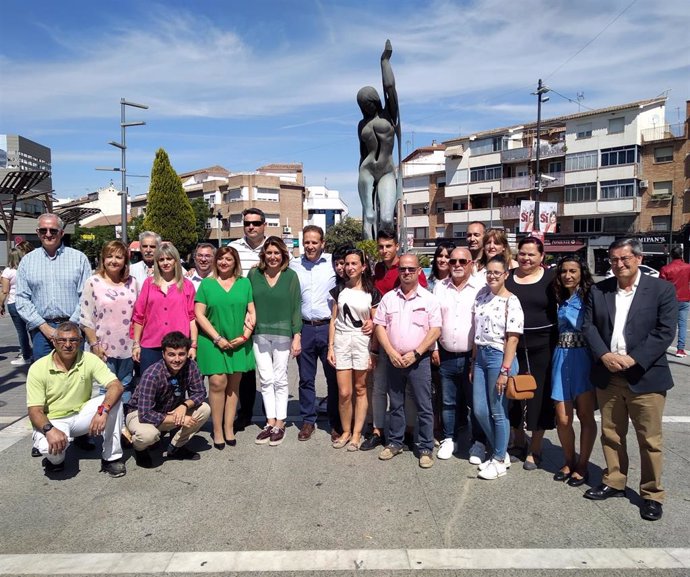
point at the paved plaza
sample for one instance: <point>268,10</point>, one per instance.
<point>308,509</point>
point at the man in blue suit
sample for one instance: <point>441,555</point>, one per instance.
<point>629,323</point>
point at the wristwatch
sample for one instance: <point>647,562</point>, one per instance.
<point>417,355</point>
<point>45,428</point>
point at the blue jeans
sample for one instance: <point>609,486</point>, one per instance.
<point>314,347</point>
<point>124,371</point>
<point>490,409</point>
<point>456,392</point>
<point>419,376</point>
<point>683,309</point>
<point>22,333</point>
<point>149,357</point>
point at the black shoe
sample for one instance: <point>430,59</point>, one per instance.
<point>50,467</point>
<point>181,454</point>
<point>577,481</point>
<point>562,476</point>
<point>35,452</point>
<point>603,492</point>
<point>651,510</point>
<point>143,459</point>
<point>113,468</point>
<point>84,443</point>
<point>231,442</point>
<point>371,442</point>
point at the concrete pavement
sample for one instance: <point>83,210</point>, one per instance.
<point>304,507</point>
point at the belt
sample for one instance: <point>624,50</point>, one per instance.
<point>316,322</point>
<point>571,341</point>
<point>57,320</point>
<point>454,354</point>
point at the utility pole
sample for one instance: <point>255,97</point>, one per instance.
<point>539,186</point>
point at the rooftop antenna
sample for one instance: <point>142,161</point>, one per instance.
<point>580,98</point>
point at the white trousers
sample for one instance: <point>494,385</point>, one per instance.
<point>272,354</point>
<point>78,425</point>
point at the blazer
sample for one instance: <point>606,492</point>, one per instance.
<point>649,330</point>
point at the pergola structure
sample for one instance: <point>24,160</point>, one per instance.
<point>17,185</point>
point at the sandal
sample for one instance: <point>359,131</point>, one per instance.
<point>354,446</point>
<point>341,441</point>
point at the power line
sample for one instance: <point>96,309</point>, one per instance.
<point>578,102</point>
<point>604,29</point>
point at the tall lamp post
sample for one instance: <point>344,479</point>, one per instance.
<point>122,145</point>
<point>541,90</point>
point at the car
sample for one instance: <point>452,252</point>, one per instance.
<point>648,270</point>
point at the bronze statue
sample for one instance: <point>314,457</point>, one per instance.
<point>378,189</point>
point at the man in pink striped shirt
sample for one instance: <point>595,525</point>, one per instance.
<point>408,322</point>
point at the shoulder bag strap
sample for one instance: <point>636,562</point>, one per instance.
<point>524,337</point>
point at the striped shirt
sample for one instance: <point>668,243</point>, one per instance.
<point>249,257</point>
<point>50,287</point>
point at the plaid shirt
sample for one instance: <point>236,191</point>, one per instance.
<point>159,392</point>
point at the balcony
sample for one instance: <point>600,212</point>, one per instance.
<point>465,216</point>
<point>527,182</point>
<point>527,153</point>
<point>663,132</point>
<point>513,212</point>
<point>603,207</point>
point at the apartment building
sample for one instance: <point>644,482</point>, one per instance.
<point>323,207</point>
<point>594,173</point>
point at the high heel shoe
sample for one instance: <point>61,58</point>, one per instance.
<point>577,481</point>
<point>231,442</point>
<point>219,446</point>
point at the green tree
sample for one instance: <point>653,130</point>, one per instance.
<point>202,212</point>
<point>347,231</point>
<point>92,247</point>
<point>135,227</point>
<point>168,211</point>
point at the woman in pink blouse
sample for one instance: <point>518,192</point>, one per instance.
<point>107,301</point>
<point>165,304</point>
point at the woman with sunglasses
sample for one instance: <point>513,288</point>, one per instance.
<point>355,302</point>
<point>165,304</point>
<point>106,305</point>
<point>440,268</point>
<point>277,337</point>
<point>498,324</point>
<point>570,384</point>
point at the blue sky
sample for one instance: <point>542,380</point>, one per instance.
<point>241,84</point>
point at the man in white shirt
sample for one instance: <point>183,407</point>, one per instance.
<point>629,323</point>
<point>148,243</point>
<point>203,263</point>
<point>456,294</point>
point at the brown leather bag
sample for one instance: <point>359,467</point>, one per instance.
<point>520,387</point>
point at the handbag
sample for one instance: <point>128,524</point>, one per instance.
<point>520,387</point>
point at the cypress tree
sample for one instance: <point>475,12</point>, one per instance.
<point>168,211</point>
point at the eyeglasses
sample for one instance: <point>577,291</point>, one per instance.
<point>621,260</point>
<point>148,246</point>
<point>494,273</point>
<point>45,231</point>
<point>63,341</point>
<point>203,257</point>
<point>407,268</point>
<point>255,223</point>
<point>460,261</point>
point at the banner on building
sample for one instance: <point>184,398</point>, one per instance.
<point>547,216</point>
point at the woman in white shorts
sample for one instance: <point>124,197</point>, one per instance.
<point>354,304</point>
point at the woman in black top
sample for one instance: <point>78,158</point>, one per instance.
<point>531,283</point>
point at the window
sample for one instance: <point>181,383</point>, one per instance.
<point>663,154</point>
<point>440,207</point>
<point>489,145</point>
<point>581,161</point>
<point>663,188</point>
<point>620,224</point>
<point>459,176</point>
<point>611,189</point>
<point>460,204</point>
<point>492,172</point>
<point>421,232</point>
<point>419,209</point>
<point>584,130</point>
<point>587,225</point>
<point>555,166</point>
<point>616,125</point>
<point>581,192</point>
<point>620,155</point>
<point>661,223</point>
<point>440,231</point>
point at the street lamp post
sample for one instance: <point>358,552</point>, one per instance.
<point>541,90</point>
<point>122,145</point>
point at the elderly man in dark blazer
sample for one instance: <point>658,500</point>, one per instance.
<point>629,322</point>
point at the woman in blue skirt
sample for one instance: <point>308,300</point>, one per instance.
<point>571,387</point>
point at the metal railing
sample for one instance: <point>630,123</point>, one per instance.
<point>529,152</point>
<point>663,132</point>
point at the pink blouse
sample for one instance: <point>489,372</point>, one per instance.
<point>161,313</point>
<point>107,309</point>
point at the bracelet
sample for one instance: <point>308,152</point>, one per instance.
<point>217,339</point>
<point>193,346</point>
<point>375,353</point>
<point>244,339</point>
<point>104,408</point>
<point>95,344</point>
<point>136,346</point>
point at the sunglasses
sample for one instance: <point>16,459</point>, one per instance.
<point>44,231</point>
<point>256,223</point>
<point>407,268</point>
<point>460,261</point>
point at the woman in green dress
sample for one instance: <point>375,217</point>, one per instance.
<point>225,351</point>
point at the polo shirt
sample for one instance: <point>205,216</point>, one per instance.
<point>60,393</point>
<point>386,279</point>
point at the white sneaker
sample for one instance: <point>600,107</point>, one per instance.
<point>447,449</point>
<point>19,362</point>
<point>485,464</point>
<point>477,453</point>
<point>493,470</point>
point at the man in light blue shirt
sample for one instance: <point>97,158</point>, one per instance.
<point>49,284</point>
<point>316,279</point>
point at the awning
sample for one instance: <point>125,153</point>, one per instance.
<point>454,151</point>
<point>563,247</point>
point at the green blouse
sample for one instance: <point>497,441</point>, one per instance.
<point>278,307</point>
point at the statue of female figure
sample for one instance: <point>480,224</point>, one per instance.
<point>377,131</point>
